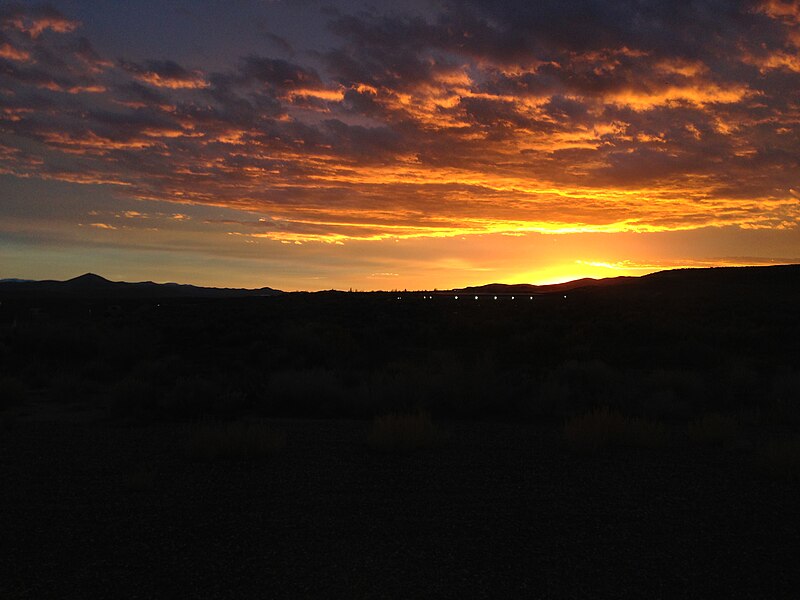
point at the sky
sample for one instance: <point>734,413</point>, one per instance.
<point>308,145</point>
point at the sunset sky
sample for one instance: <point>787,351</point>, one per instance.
<point>388,145</point>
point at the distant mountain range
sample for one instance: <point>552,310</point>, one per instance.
<point>689,279</point>
<point>94,286</point>
<point>528,288</point>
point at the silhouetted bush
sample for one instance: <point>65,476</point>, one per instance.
<point>57,340</point>
<point>575,385</point>
<point>163,371</point>
<point>713,429</point>
<point>70,387</point>
<point>12,392</point>
<point>785,396</point>
<point>664,404</point>
<point>669,393</point>
<point>304,392</point>
<point>139,480</point>
<point>404,433</point>
<point>232,441</point>
<point>7,422</point>
<point>196,397</point>
<point>606,428</point>
<point>135,398</point>
<point>780,459</point>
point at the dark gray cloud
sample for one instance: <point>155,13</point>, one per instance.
<point>687,29</point>
<point>277,72</point>
<point>279,42</point>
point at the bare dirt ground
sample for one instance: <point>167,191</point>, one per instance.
<point>91,509</point>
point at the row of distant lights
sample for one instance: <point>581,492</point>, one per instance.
<point>476,297</point>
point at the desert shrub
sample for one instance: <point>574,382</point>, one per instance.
<point>572,385</point>
<point>195,397</point>
<point>553,398</point>
<point>232,441</point>
<point>401,386</point>
<point>69,386</point>
<point>12,392</point>
<point>780,459</point>
<point>603,428</point>
<point>122,346</point>
<point>162,372</point>
<point>404,433</point>
<point>665,404</point>
<point>785,395</point>
<point>7,422</point>
<point>139,480</point>
<point>670,393</point>
<point>55,340</point>
<point>713,429</point>
<point>134,398</point>
<point>734,383</point>
<point>304,392</point>
<point>189,397</point>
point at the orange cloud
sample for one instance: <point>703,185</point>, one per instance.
<point>788,10</point>
<point>193,83</point>
<point>8,51</point>
<point>426,140</point>
<point>35,25</point>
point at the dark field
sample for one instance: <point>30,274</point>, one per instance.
<point>639,440</point>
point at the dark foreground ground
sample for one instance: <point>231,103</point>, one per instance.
<point>99,397</point>
<point>98,510</point>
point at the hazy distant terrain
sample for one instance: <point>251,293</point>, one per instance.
<point>90,285</point>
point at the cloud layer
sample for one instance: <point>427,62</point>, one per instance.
<point>504,117</point>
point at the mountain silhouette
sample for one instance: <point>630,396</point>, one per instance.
<point>691,282</point>
<point>88,281</point>
<point>91,285</point>
<point>528,288</point>
<point>694,281</point>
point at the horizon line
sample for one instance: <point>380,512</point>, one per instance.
<point>352,289</point>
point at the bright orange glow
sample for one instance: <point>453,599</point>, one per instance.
<point>697,95</point>
<point>8,51</point>
<point>322,94</point>
<point>193,83</point>
<point>35,26</point>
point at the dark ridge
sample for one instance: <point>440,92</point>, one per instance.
<point>87,281</point>
<point>689,279</point>
<point>528,288</point>
<point>90,285</point>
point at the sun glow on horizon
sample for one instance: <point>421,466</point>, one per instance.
<point>562,273</point>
